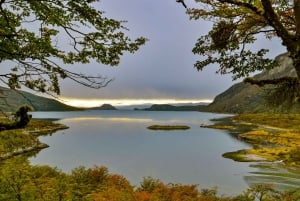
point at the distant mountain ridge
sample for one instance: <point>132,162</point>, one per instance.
<point>167,107</point>
<point>104,107</point>
<point>11,100</point>
<point>246,98</point>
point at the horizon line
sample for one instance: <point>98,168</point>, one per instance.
<point>127,102</point>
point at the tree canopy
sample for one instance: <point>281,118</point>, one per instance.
<point>237,24</point>
<point>40,39</point>
<point>19,181</point>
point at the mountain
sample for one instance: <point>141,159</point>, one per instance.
<point>104,107</point>
<point>11,100</point>
<point>246,98</point>
<point>167,107</point>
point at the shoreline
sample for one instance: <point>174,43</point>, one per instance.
<point>274,138</point>
<point>269,143</point>
<point>32,132</point>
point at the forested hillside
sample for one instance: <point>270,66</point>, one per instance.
<point>11,100</point>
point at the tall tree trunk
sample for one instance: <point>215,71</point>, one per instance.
<point>296,54</point>
<point>297,17</point>
<point>296,63</point>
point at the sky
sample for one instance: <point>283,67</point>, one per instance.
<point>162,70</point>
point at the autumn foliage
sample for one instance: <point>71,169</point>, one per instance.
<point>20,181</point>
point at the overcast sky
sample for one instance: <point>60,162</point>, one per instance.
<point>163,68</point>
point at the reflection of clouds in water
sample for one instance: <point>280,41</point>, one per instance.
<point>112,119</point>
<point>191,121</point>
<point>121,141</point>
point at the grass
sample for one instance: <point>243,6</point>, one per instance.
<point>283,121</point>
<point>17,141</point>
<point>275,137</point>
<point>237,156</point>
<point>168,127</point>
<point>218,126</point>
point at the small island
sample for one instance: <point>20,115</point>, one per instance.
<point>168,127</point>
<point>104,107</point>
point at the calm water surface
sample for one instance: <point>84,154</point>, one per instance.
<point>120,141</point>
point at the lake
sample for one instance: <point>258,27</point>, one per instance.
<point>120,140</point>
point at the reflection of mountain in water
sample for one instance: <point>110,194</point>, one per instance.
<point>281,177</point>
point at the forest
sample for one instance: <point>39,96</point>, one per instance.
<point>20,181</point>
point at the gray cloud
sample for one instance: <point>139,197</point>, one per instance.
<point>163,68</point>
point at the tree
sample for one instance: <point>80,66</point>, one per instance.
<point>236,26</point>
<point>15,183</point>
<point>39,39</point>
<point>21,119</point>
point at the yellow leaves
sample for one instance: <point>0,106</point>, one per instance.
<point>273,136</point>
<point>249,23</point>
<point>273,146</point>
<point>255,135</point>
<point>282,121</point>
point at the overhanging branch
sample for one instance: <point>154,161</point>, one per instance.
<point>243,4</point>
<point>271,81</point>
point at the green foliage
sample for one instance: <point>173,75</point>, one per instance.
<point>294,155</point>
<point>263,192</point>
<point>237,24</point>
<point>18,141</point>
<point>21,116</point>
<point>85,181</point>
<point>12,140</point>
<point>275,137</point>
<point>149,184</point>
<point>15,183</point>
<point>21,119</point>
<point>33,35</point>
<point>168,127</point>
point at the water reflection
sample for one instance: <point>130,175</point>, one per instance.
<point>120,141</point>
<point>110,119</point>
<point>277,174</point>
<point>281,177</point>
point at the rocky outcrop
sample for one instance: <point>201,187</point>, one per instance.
<point>246,98</point>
